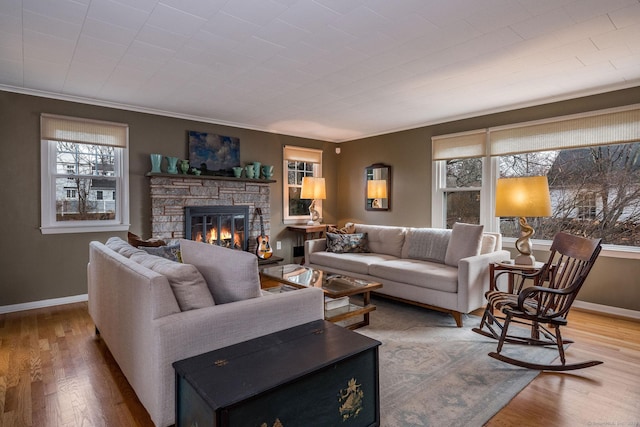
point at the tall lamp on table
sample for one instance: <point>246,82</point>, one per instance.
<point>523,197</point>
<point>313,188</point>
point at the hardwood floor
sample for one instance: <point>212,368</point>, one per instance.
<point>54,372</point>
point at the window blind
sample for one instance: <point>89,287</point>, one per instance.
<point>600,129</point>
<point>459,145</point>
<point>301,154</point>
<point>83,131</point>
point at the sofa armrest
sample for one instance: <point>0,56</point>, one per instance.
<point>194,332</point>
<point>314,245</point>
<point>473,279</point>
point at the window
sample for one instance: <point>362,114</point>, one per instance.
<point>298,163</point>
<point>81,159</point>
<point>592,162</point>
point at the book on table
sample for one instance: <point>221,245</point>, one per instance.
<point>333,303</point>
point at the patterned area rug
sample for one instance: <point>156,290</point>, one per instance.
<point>435,374</point>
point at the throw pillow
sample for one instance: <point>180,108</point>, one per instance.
<point>122,247</point>
<point>231,275</point>
<point>465,241</point>
<point>428,244</point>
<point>347,243</point>
<point>187,284</point>
<point>170,252</point>
<point>349,228</point>
<point>137,241</point>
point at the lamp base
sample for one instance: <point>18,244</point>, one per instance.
<point>525,260</point>
<point>311,222</point>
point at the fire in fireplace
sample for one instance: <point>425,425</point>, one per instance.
<point>226,226</point>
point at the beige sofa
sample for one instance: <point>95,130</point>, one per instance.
<point>445,270</point>
<point>137,312</point>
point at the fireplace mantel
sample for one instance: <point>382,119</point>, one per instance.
<point>213,177</point>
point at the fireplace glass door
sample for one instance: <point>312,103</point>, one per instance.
<point>224,226</point>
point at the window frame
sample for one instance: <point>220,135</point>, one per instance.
<point>49,174</point>
<point>490,174</point>
<point>300,154</point>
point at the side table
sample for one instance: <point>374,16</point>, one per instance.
<point>307,232</point>
<point>496,267</point>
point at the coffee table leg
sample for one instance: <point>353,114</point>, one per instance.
<point>366,300</point>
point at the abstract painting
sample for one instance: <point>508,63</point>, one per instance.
<point>213,154</point>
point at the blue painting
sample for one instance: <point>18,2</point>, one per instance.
<point>213,154</point>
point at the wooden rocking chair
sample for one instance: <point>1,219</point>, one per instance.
<point>547,302</point>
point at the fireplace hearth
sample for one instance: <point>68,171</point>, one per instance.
<point>224,226</point>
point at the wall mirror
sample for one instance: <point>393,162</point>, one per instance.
<point>377,190</point>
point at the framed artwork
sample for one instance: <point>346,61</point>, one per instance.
<point>214,154</point>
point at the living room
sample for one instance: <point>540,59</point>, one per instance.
<point>59,276</point>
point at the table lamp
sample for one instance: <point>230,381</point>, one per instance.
<point>376,190</point>
<point>313,188</point>
<point>523,197</point>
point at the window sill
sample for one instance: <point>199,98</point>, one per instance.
<point>609,251</point>
<point>83,228</point>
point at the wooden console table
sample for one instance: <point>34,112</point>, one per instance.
<point>308,232</point>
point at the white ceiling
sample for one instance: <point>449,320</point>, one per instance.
<point>329,69</point>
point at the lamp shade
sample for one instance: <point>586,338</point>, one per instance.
<point>523,197</point>
<point>377,189</point>
<point>313,188</point>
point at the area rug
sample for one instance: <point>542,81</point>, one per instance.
<point>433,373</point>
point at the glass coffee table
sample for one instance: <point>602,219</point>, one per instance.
<point>337,288</point>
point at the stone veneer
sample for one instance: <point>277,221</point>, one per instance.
<point>171,194</point>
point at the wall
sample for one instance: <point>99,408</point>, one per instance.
<point>613,281</point>
<point>38,267</point>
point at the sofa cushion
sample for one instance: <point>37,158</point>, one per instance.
<point>349,228</point>
<point>488,244</point>
<point>353,262</point>
<point>231,275</point>
<point>427,244</point>
<point>383,239</point>
<point>122,247</point>
<point>137,241</point>
<point>170,252</point>
<point>187,284</point>
<point>347,243</point>
<point>465,241</point>
<point>424,274</point>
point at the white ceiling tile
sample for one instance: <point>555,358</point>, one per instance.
<point>309,16</point>
<point>175,21</point>
<point>117,14</point>
<point>259,12</point>
<point>204,9</point>
<point>627,16</point>
<point>230,27</point>
<point>63,10</point>
<point>552,21</point>
<point>11,72</point>
<point>321,68</point>
<point>50,26</point>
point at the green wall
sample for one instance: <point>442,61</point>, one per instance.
<point>613,281</point>
<point>38,267</point>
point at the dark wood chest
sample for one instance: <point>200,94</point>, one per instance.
<point>316,374</point>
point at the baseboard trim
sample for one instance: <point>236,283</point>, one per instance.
<point>606,310</point>
<point>44,303</point>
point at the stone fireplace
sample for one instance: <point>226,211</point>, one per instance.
<point>171,195</point>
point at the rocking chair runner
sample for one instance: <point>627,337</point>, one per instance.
<point>547,302</point>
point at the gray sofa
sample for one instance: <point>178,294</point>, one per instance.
<point>151,313</point>
<point>445,270</point>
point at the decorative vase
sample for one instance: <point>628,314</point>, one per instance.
<point>184,166</point>
<point>256,170</point>
<point>237,171</point>
<point>267,171</point>
<point>156,161</point>
<point>249,171</point>
<point>173,164</point>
